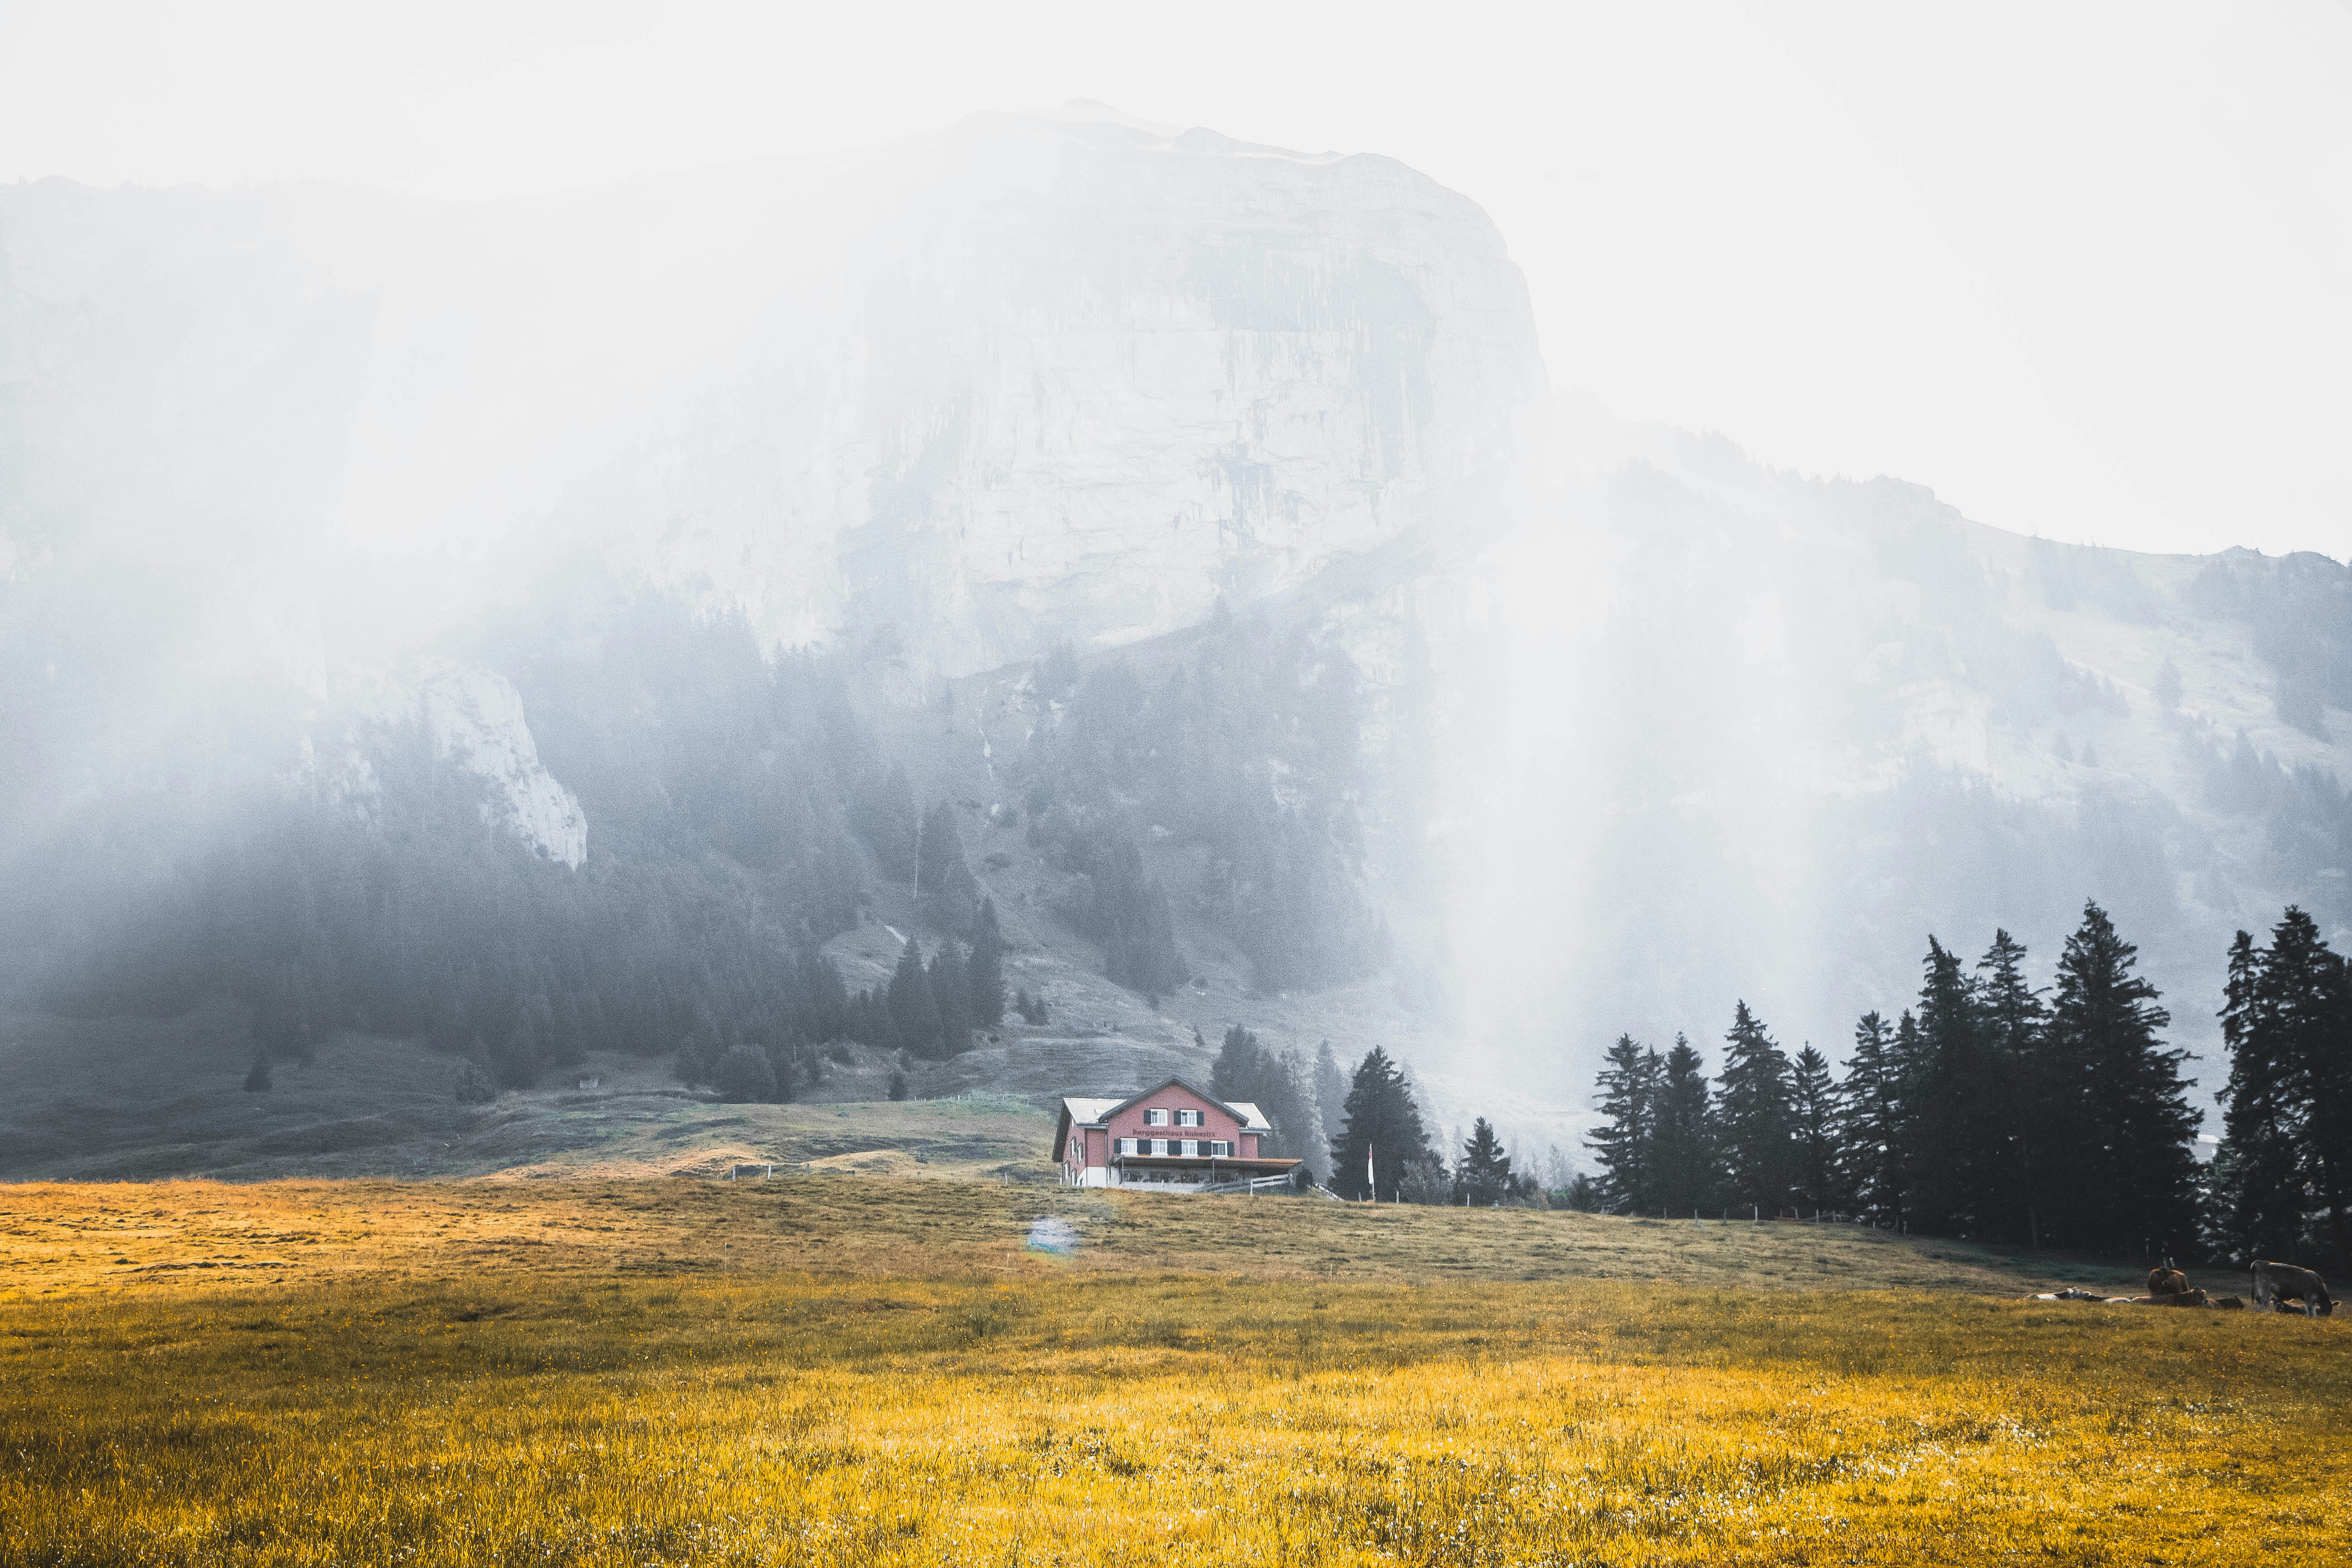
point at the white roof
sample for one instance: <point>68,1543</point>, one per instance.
<point>1093,1113</point>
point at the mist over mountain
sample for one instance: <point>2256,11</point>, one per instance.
<point>617,621</point>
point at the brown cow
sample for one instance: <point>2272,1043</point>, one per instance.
<point>2169,1287</point>
<point>2275,1283</point>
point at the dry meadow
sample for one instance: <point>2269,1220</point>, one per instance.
<point>856,1369</point>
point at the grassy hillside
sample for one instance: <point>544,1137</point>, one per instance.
<point>136,1099</point>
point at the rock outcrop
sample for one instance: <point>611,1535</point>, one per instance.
<point>469,716</point>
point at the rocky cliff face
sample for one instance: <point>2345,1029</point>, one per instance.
<point>1027,381</point>
<point>1089,377</point>
<point>469,716</point>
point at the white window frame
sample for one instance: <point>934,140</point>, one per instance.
<point>1155,1117</point>
<point>1219,1149</point>
<point>1127,1145</point>
<point>1188,1119</point>
<point>1159,1145</point>
<point>1189,1148</point>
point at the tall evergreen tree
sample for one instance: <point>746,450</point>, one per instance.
<point>1872,1121</point>
<point>1951,1136</point>
<point>985,979</point>
<point>884,815</point>
<point>745,1077</point>
<point>1481,1178</point>
<point>943,878</point>
<point>1623,1145</point>
<point>1684,1146</point>
<point>2309,1007</point>
<point>914,1014</point>
<point>2028,1142</point>
<point>1382,1132</point>
<point>2331,1113</point>
<point>949,975</point>
<point>515,1061</point>
<point>1234,1064</point>
<point>2282,1159</point>
<point>2137,1181</point>
<point>1138,930</point>
<point>1753,1109</point>
<point>1247,1070</point>
<point>1812,1108</point>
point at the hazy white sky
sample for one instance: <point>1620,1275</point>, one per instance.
<point>2083,269</point>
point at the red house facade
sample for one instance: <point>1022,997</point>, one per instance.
<point>1173,1138</point>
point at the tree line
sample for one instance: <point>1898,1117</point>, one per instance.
<point>1995,1111</point>
<point>1987,1111</point>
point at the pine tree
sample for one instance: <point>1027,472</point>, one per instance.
<point>1954,1171</point>
<point>514,1062</point>
<point>1383,1129</point>
<point>1813,1106</point>
<point>2028,1142</point>
<point>785,1071</point>
<point>1481,1178</point>
<point>914,1014</point>
<point>1138,930</point>
<point>1686,1141</point>
<point>2136,1182</point>
<point>2275,1007</point>
<point>1871,1122</point>
<point>2308,1009</point>
<point>1247,1072</point>
<point>1624,1143</point>
<point>2330,1070</point>
<point>947,974</point>
<point>943,878</point>
<point>986,972</point>
<point>1235,1064</point>
<point>744,1077</point>
<point>1752,1111</point>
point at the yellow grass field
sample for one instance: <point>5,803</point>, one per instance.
<point>853,1370</point>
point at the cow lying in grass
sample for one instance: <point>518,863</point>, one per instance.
<point>2276,1284</point>
<point>2170,1287</point>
